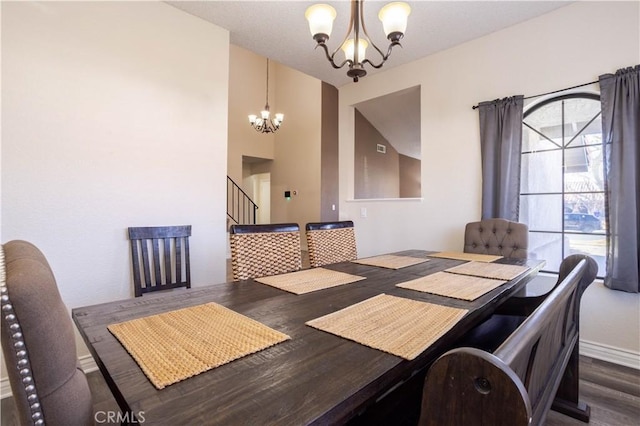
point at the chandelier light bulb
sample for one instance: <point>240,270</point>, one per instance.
<point>394,19</point>
<point>320,17</point>
<point>348,48</point>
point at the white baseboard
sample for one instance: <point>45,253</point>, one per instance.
<point>610,354</point>
<point>86,363</point>
<point>5,388</point>
<point>591,349</point>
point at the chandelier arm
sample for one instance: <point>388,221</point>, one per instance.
<point>330,57</point>
<point>384,57</point>
<point>364,30</point>
<point>344,39</point>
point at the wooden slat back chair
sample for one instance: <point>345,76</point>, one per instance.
<point>38,342</point>
<point>262,250</point>
<point>160,256</point>
<point>331,242</point>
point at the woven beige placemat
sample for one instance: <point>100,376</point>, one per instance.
<point>396,325</point>
<point>390,261</point>
<point>465,287</point>
<point>309,280</point>
<point>176,345</point>
<point>489,270</point>
<point>466,256</point>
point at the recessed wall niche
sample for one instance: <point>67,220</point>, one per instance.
<point>387,146</point>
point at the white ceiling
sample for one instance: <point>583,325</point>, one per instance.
<point>279,31</point>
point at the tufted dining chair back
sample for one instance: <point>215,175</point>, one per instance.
<point>498,237</point>
<point>38,342</point>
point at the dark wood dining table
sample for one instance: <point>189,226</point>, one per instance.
<point>313,378</point>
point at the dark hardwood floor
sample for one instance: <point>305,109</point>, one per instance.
<point>612,391</point>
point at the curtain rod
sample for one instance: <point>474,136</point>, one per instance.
<point>551,93</point>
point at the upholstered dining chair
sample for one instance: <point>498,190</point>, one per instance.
<point>38,342</point>
<point>506,238</point>
<point>262,250</point>
<point>497,237</point>
<point>331,242</point>
<point>160,258</point>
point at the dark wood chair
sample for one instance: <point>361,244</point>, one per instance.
<point>527,300</point>
<point>262,250</point>
<point>331,242</point>
<point>160,256</point>
<point>508,316</point>
<point>533,370</point>
<point>38,342</point>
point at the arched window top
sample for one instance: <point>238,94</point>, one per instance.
<point>562,122</point>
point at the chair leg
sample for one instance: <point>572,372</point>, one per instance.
<point>568,394</point>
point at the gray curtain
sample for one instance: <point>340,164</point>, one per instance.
<point>500,145</point>
<point>620,97</point>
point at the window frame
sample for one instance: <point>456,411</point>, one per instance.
<point>563,193</point>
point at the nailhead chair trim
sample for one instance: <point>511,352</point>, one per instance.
<point>263,250</point>
<point>17,343</point>
<point>331,242</point>
<point>38,342</point>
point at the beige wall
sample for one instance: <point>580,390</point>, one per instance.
<point>114,114</point>
<point>566,47</point>
<point>247,95</point>
<point>296,164</point>
<point>409,177</point>
<point>376,174</point>
<point>329,172</point>
<point>295,148</point>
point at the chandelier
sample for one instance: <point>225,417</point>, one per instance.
<point>394,21</point>
<point>264,123</point>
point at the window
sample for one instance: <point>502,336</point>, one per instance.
<point>562,196</point>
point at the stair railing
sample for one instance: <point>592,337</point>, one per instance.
<point>240,207</point>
